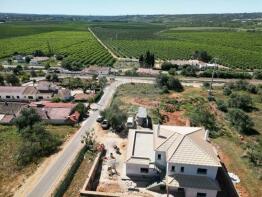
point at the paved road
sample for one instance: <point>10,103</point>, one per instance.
<point>49,180</point>
<point>57,169</point>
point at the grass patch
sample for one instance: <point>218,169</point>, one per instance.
<point>80,176</point>
<point>11,176</point>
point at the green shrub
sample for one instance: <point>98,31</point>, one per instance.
<point>221,105</point>
<point>243,102</point>
<point>227,91</point>
<point>201,116</point>
<point>240,120</point>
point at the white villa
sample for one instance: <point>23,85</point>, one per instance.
<point>181,158</point>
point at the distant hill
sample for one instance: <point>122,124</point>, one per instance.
<point>200,19</point>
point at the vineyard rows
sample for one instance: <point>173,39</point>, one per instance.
<point>233,49</point>
<point>79,47</point>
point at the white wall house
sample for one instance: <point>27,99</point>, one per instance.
<point>10,93</point>
<point>42,91</point>
<point>189,161</point>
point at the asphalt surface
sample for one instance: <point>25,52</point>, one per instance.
<point>50,179</point>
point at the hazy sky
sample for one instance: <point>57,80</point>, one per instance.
<point>123,7</point>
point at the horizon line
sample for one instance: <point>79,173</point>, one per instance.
<point>91,15</point>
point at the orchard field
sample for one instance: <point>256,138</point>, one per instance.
<point>234,47</point>
<point>77,46</point>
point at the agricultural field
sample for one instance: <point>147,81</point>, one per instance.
<point>230,144</point>
<point>12,175</point>
<point>15,29</point>
<point>233,47</point>
<point>77,46</point>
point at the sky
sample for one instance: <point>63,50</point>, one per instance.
<point>129,7</point>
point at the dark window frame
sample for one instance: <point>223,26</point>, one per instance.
<point>173,168</point>
<point>144,170</point>
<point>182,169</point>
<point>159,156</point>
<point>201,194</point>
<point>201,171</point>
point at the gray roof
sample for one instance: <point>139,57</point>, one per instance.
<point>142,112</point>
<point>185,145</point>
<point>10,108</point>
<point>12,89</point>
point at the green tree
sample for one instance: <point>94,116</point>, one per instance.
<point>201,116</point>
<point>115,116</point>
<point>37,142</point>
<point>27,118</point>
<point>227,91</point>
<point>221,105</point>
<point>2,80</point>
<point>240,120</point>
<point>243,102</point>
<point>81,108</point>
<point>174,84</point>
<point>202,56</point>
<point>13,80</point>
<point>17,70</point>
<point>27,59</point>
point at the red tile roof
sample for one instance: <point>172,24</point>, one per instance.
<point>74,117</point>
<point>49,104</point>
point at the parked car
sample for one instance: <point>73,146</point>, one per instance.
<point>105,124</point>
<point>100,118</point>
<point>130,123</point>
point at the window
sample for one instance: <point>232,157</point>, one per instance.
<point>30,97</point>
<point>173,168</point>
<point>144,170</point>
<point>159,156</point>
<point>18,97</point>
<point>8,97</point>
<point>40,97</point>
<point>199,194</point>
<point>182,169</point>
<point>201,171</point>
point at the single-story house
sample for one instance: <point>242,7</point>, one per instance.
<point>96,70</point>
<point>41,91</point>
<point>147,72</point>
<point>10,110</point>
<point>83,97</point>
<point>56,113</point>
<point>37,60</point>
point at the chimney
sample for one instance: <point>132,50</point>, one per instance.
<point>207,135</point>
<point>158,130</point>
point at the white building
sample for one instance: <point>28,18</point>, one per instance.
<point>180,156</point>
<point>42,91</point>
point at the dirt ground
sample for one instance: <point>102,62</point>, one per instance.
<point>228,161</point>
<point>111,183</point>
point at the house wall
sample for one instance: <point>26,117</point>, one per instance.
<point>191,192</point>
<point>134,170</point>
<point>57,121</point>
<point>13,96</point>
<point>192,170</point>
<point>26,96</point>
<point>46,96</point>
